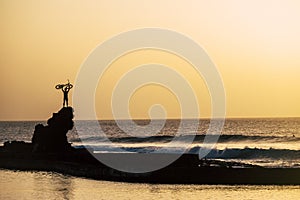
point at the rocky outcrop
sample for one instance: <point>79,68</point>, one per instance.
<point>53,137</point>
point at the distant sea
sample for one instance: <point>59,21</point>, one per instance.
<point>265,142</point>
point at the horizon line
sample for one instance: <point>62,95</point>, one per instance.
<point>140,119</point>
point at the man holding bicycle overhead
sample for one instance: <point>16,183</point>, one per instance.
<point>65,88</point>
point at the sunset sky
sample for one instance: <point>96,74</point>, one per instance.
<point>254,44</point>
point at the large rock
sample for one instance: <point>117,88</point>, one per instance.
<point>53,137</point>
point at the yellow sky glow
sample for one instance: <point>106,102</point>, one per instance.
<point>254,44</point>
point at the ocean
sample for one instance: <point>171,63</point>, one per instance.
<point>265,142</point>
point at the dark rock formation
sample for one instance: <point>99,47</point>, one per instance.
<point>17,147</point>
<point>53,137</point>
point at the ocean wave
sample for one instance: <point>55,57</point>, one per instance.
<point>197,138</point>
<point>249,153</point>
<point>228,153</point>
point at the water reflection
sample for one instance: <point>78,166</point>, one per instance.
<point>47,185</point>
<point>57,186</point>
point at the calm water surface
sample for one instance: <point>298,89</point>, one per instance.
<point>45,185</point>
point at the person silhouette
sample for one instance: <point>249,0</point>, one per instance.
<point>66,90</point>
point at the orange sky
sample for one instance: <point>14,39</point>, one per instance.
<point>255,45</point>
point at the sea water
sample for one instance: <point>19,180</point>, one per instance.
<point>48,185</point>
<point>264,142</point>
